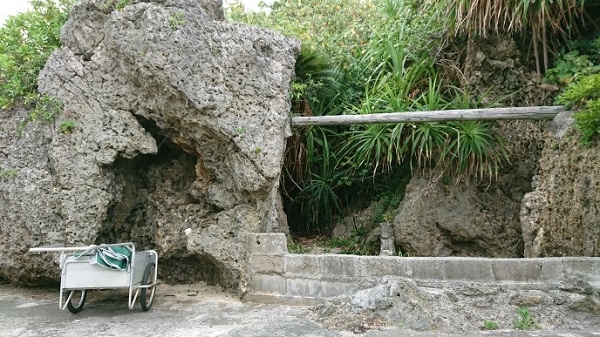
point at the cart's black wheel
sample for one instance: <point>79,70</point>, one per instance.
<point>147,294</point>
<point>77,301</point>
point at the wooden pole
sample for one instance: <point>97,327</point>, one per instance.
<point>523,113</point>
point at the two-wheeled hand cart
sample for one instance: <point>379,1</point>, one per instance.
<point>106,266</point>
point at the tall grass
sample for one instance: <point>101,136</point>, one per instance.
<point>541,21</point>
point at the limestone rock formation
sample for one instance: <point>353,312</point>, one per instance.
<point>560,217</point>
<point>496,70</point>
<point>437,219</point>
<point>180,122</point>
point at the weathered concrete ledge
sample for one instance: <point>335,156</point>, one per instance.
<point>304,279</point>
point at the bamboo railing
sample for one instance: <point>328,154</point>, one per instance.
<point>522,113</point>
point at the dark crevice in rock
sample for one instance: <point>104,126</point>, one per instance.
<point>128,213</point>
<point>161,137</point>
<point>195,268</point>
<point>142,185</point>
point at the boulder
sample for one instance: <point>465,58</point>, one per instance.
<point>179,131</point>
<point>464,219</point>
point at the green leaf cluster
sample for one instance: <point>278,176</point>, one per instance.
<point>585,96</point>
<point>490,325</point>
<point>8,174</point>
<point>582,82</point>
<point>26,41</point>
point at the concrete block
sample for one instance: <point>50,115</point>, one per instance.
<point>266,243</point>
<point>304,287</point>
<point>334,289</point>
<point>471,269</point>
<point>579,265</point>
<point>266,264</point>
<point>269,284</point>
<point>553,270</point>
<point>340,266</point>
<point>307,266</point>
<point>287,300</point>
<point>517,270</point>
<point>379,265</point>
<point>424,268</point>
<point>596,267</point>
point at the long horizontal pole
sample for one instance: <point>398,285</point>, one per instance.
<point>522,113</point>
<point>74,249</point>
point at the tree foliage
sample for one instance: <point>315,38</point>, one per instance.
<point>26,41</point>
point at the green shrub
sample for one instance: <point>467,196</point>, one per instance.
<point>66,127</point>
<point>8,174</point>
<point>26,41</point>
<point>490,325</point>
<point>525,321</point>
<point>356,244</point>
<point>584,95</point>
<point>570,67</point>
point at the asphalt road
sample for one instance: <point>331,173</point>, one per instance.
<point>182,311</point>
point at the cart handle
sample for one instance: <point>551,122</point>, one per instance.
<point>73,249</point>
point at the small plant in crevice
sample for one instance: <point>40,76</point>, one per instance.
<point>240,130</point>
<point>489,324</point>
<point>45,108</point>
<point>66,126</point>
<point>114,4</point>
<point>8,174</point>
<point>122,4</point>
<point>176,20</point>
<point>525,321</point>
<point>402,254</point>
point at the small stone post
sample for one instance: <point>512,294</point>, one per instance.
<point>388,248</point>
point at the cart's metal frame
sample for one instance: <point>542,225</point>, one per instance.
<point>77,273</point>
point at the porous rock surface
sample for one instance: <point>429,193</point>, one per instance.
<point>561,216</point>
<point>180,121</point>
<point>465,219</point>
<point>463,308</point>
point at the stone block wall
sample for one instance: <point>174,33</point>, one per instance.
<point>277,276</point>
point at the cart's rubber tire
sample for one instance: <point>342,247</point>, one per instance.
<point>147,294</point>
<point>76,304</point>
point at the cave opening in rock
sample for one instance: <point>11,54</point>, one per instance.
<point>143,186</point>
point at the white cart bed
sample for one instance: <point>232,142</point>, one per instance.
<point>79,273</point>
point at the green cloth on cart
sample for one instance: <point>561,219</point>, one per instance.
<point>113,257</point>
